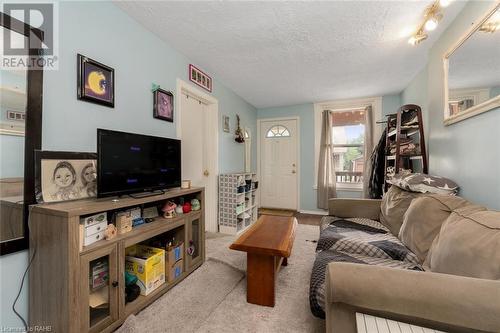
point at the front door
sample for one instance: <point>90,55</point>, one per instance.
<point>278,164</point>
<point>198,140</point>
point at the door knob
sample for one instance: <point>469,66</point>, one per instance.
<point>206,173</point>
<point>293,164</point>
<point>293,171</point>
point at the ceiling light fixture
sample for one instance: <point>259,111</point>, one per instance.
<point>432,16</point>
<point>418,38</point>
<point>431,24</point>
<point>444,3</point>
<point>493,24</point>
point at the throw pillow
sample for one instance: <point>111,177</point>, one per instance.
<point>419,182</point>
<point>394,205</point>
<point>423,220</point>
<point>468,244</point>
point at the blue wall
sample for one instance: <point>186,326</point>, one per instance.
<point>305,112</point>
<point>103,32</point>
<point>468,151</point>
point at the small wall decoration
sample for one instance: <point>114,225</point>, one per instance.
<point>238,134</point>
<point>200,78</point>
<point>225,124</point>
<point>163,105</point>
<point>96,82</point>
<point>62,176</point>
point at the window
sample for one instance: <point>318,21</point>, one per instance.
<point>278,131</point>
<point>348,145</point>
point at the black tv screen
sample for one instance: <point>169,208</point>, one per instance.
<point>132,163</point>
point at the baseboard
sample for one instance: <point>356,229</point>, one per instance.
<point>314,212</point>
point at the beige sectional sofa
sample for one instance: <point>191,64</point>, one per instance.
<point>453,286</point>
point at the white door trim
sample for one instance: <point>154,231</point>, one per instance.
<point>213,126</point>
<point>259,143</point>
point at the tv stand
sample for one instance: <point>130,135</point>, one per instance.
<point>146,194</point>
<point>60,294</point>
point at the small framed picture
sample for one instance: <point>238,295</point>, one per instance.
<point>96,82</point>
<point>163,105</point>
<point>225,124</point>
<point>200,78</point>
<point>63,176</point>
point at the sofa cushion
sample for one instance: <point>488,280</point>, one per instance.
<point>423,183</point>
<point>423,220</point>
<point>394,205</point>
<point>468,244</point>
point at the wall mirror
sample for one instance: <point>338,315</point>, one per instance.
<point>472,71</point>
<point>20,135</point>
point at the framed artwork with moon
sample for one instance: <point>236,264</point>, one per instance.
<point>96,82</point>
<point>163,105</point>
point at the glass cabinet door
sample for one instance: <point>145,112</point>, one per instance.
<point>99,289</point>
<point>196,241</point>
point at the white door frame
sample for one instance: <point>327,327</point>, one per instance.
<point>259,143</point>
<point>213,126</point>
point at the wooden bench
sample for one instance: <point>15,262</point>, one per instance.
<point>268,244</point>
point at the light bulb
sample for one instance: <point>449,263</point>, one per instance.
<point>431,24</point>
<point>445,3</point>
<point>412,41</point>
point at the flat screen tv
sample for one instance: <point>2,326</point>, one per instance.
<point>132,163</point>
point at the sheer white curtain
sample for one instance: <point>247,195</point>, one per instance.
<point>368,149</point>
<point>326,167</point>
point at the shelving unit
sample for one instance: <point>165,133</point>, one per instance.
<point>396,132</point>
<point>237,202</point>
<point>60,295</point>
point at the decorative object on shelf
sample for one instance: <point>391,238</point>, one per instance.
<point>169,210</point>
<point>238,134</point>
<point>190,249</point>
<point>163,105</point>
<point>123,222</point>
<point>225,124</point>
<point>96,82</point>
<point>186,184</point>
<point>150,212</point>
<point>432,16</point>
<point>62,176</point>
<point>186,207</point>
<point>110,232</point>
<point>200,78</point>
<point>195,204</point>
<point>179,210</point>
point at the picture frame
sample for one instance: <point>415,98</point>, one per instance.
<point>200,78</point>
<point>64,176</point>
<point>95,82</point>
<point>163,105</point>
<point>225,124</point>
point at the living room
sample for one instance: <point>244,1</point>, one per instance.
<point>270,116</point>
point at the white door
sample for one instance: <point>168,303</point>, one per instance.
<point>278,164</point>
<point>197,138</point>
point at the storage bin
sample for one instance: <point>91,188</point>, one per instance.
<point>148,264</point>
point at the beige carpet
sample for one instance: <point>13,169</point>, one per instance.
<point>213,298</point>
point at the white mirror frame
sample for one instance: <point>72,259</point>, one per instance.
<point>476,109</point>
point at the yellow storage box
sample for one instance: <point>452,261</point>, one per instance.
<point>148,264</point>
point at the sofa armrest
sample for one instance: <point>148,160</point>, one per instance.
<point>367,208</point>
<point>433,300</point>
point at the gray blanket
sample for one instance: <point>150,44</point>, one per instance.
<point>354,240</point>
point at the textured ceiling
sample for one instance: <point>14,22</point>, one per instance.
<point>285,53</point>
